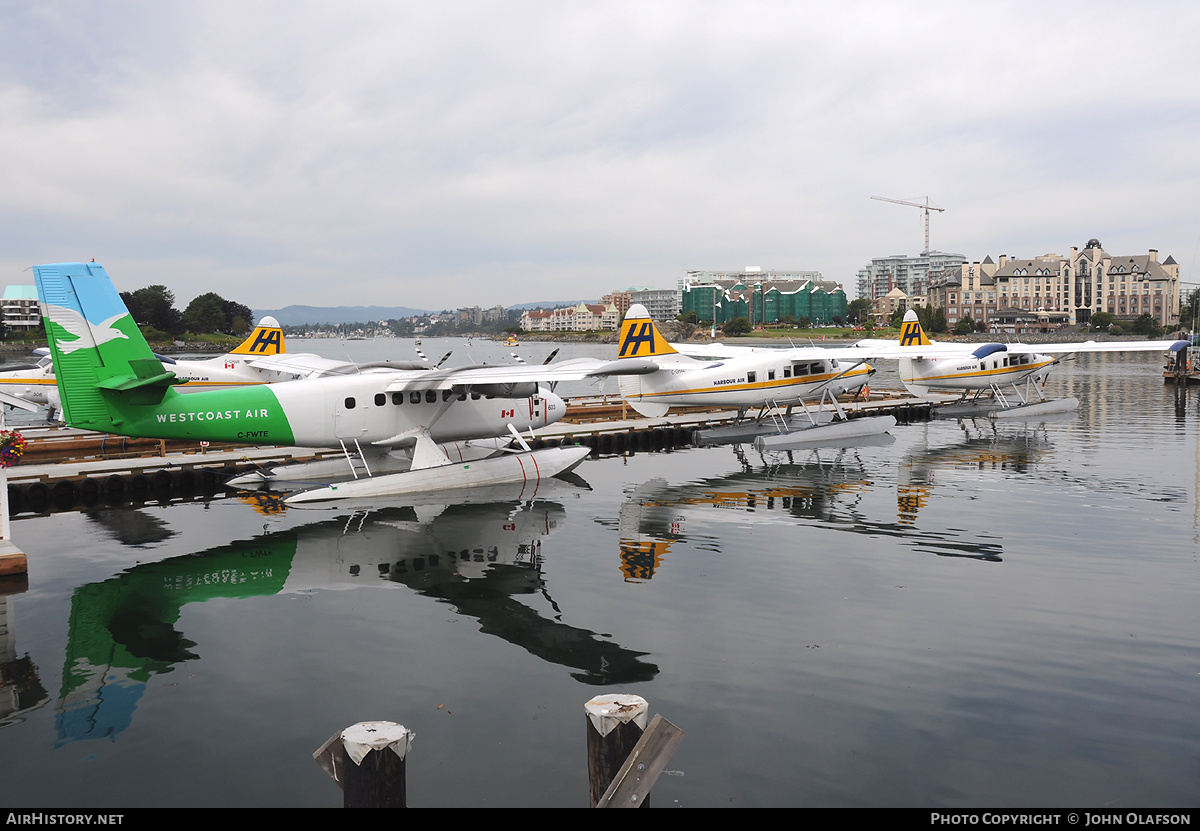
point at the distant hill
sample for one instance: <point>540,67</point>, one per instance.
<point>296,315</point>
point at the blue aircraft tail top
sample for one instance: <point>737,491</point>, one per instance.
<point>94,342</point>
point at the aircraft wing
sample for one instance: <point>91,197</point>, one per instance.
<point>715,350</point>
<point>303,363</point>
<point>893,350</point>
<point>576,369</point>
<point>796,353</point>
<point>1093,346</point>
<point>957,350</point>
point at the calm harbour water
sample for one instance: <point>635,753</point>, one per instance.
<point>972,614</point>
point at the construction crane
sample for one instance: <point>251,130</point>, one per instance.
<point>926,207</point>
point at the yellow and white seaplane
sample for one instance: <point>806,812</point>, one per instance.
<point>745,379</point>
<point>982,371</point>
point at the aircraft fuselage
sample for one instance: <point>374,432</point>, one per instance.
<point>967,372</point>
<point>221,373</point>
<point>34,382</point>
<point>748,382</point>
<point>313,414</point>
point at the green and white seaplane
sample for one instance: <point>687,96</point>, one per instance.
<point>109,380</point>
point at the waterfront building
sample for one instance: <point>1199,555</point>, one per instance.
<point>1066,290</point>
<point>20,308</point>
<point>584,317</point>
<point>764,296</point>
<point>536,320</point>
<point>909,274</point>
<point>662,304</point>
<point>894,301</point>
<point>1014,321</point>
<point>966,291</point>
<point>469,316</point>
<point>621,301</point>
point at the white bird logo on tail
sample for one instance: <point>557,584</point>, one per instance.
<point>87,334</point>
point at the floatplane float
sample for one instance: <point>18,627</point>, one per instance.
<point>109,380</point>
<point>745,378</point>
<point>982,372</point>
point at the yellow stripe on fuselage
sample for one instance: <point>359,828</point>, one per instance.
<point>778,383</point>
<point>1024,369</point>
<point>225,383</point>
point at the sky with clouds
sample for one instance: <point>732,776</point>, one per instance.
<point>477,153</point>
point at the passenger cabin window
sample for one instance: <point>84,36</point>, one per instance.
<point>349,403</point>
<point>430,397</point>
<point>414,397</point>
<point>770,375</point>
<point>380,399</point>
<point>397,398</point>
<point>751,377</point>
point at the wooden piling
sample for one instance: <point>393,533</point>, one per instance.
<point>368,762</point>
<point>614,725</point>
<point>631,786</point>
<point>12,559</point>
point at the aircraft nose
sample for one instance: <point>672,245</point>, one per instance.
<point>556,408</point>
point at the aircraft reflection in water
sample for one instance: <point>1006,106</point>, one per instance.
<point>478,557</point>
<point>827,491</point>
<point>1017,448</point>
<point>21,689</point>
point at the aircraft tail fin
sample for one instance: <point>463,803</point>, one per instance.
<point>640,338</point>
<point>266,339</point>
<point>911,333</point>
<point>96,346</point>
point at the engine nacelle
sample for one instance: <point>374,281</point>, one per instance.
<point>523,389</point>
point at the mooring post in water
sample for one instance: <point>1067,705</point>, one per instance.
<point>12,559</point>
<point>614,724</point>
<point>647,761</point>
<point>368,763</point>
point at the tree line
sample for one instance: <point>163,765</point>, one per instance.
<point>154,307</point>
